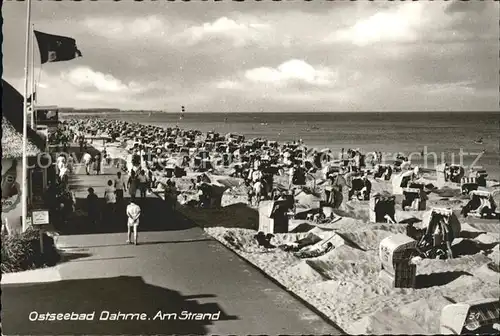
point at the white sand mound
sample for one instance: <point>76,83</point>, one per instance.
<point>485,226</point>
<point>302,227</point>
<point>345,224</point>
<point>386,322</point>
<point>466,227</point>
<point>487,238</point>
<point>303,272</point>
<point>354,209</point>
<point>379,186</point>
<point>426,312</point>
<point>240,239</point>
<point>464,263</point>
<point>495,256</point>
<point>471,288</point>
<point>410,214</point>
<point>366,239</point>
<point>322,233</point>
<point>347,253</point>
<point>307,200</point>
<point>346,262</point>
<point>487,275</point>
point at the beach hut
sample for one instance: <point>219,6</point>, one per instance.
<point>476,317</point>
<point>455,173</point>
<point>396,253</point>
<point>401,181</point>
<point>468,184</point>
<point>382,208</point>
<point>360,188</point>
<point>415,199</point>
<point>441,227</point>
<point>383,171</point>
<point>441,175</point>
<point>214,194</point>
<point>299,176</point>
<point>273,216</point>
<point>481,204</point>
<point>481,176</point>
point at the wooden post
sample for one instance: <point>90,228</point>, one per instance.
<point>41,239</point>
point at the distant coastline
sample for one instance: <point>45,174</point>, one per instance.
<point>70,110</point>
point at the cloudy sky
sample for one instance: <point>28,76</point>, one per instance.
<point>265,56</point>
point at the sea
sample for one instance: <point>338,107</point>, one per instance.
<point>428,138</point>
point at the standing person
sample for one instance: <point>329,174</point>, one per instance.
<point>120,187</point>
<point>92,206</point>
<point>87,159</point>
<point>173,195</point>
<point>133,214</point>
<point>110,197</point>
<point>60,163</point>
<point>291,174</point>
<point>132,184</point>
<point>143,183</point>
<point>97,163</point>
<point>81,141</point>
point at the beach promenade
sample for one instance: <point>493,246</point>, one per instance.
<point>177,267</point>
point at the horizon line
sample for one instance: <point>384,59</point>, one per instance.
<point>116,110</point>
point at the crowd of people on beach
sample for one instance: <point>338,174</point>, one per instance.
<point>267,170</point>
<point>257,162</point>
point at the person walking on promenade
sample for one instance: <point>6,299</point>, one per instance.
<point>93,206</point>
<point>97,163</point>
<point>133,214</point>
<point>120,187</point>
<point>87,159</point>
<point>132,184</point>
<point>110,197</point>
<point>143,183</point>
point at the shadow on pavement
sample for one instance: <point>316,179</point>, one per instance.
<point>101,259</point>
<point>118,294</point>
<point>71,256</point>
<point>155,216</point>
<point>141,243</point>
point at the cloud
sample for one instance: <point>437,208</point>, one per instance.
<point>462,87</point>
<point>85,77</point>
<point>178,32</point>
<point>292,71</point>
<point>125,28</point>
<point>407,22</point>
<point>377,55</point>
<point>239,32</point>
<point>228,84</point>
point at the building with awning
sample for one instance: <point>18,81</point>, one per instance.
<point>12,156</point>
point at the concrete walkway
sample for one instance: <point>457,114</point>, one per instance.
<point>174,269</point>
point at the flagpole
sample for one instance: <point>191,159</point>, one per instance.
<point>32,90</point>
<point>24,195</point>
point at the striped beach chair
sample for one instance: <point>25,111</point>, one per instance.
<point>468,184</point>
<point>481,204</point>
<point>477,317</point>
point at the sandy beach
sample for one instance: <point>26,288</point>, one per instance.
<point>343,283</point>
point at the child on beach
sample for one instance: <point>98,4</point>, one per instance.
<point>133,214</point>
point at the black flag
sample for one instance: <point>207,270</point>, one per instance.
<point>54,48</point>
<point>33,96</point>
